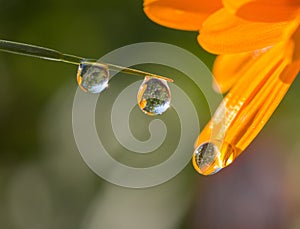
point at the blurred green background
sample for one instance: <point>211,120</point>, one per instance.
<point>44,182</point>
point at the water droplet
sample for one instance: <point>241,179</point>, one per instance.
<point>154,96</point>
<point>206,158</point>
<point>92,77</point>
<point>209,158</point>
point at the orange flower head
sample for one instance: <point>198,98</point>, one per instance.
<point>258,47</point>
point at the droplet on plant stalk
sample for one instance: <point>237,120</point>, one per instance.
<point>154,96</point>
<point>92,77</point>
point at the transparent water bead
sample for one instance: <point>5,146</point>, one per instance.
<point>209,158</point>
<point>92,77</point>
<point>154,96</point>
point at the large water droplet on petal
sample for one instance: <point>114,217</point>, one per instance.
<point>209,158</point>
<point>154,96</point>
<point>92,77</point>
<point>205,156</point>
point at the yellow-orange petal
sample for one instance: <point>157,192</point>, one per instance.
<point>223,33</point>
<point>228,68</point>
<point>178,14</point>
<point>296,39</point>
<point>149,1</point>
<point>244,90</point>
<point>247,107</point>
<point>264,10</point>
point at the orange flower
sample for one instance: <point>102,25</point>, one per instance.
<point>258,43</point>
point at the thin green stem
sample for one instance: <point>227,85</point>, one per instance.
<point>54,55</point>
<point>37,51</point>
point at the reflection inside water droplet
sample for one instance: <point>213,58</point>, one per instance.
<point>206,158</point>
<point>154,96</point>
<point>209,158</point>
<point>92,77</point>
